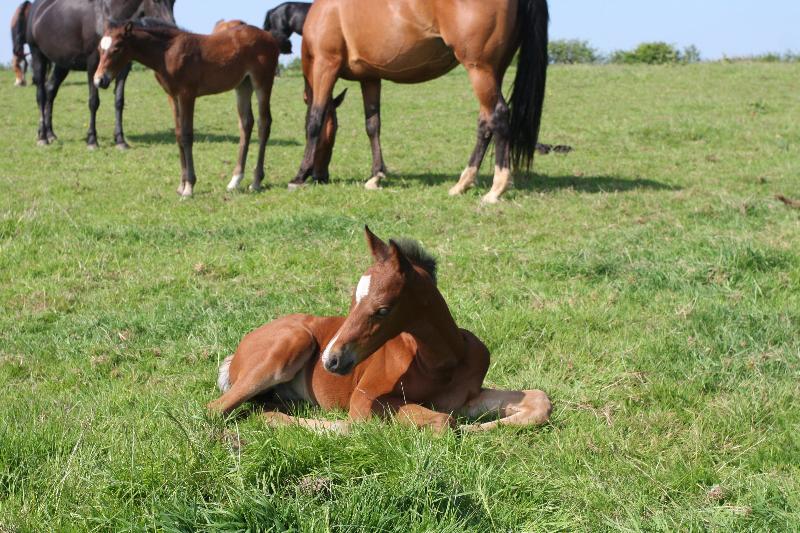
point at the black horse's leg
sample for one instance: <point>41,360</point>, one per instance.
<point>320,92</point>
<point>39,71</point>
<point>94,101</point>
<point>119,106</point>
<point>56,79</point>
<point>371,91</point>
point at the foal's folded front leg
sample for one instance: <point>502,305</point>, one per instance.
<point>513,408</point>
<point>405,413</point>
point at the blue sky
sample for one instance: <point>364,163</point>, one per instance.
<point>717,27</point>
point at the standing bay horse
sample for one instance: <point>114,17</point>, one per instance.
<point>66,33</point>
<point>397,353</point>
<point>189,65</point>
<point>19,22</point>
<point>411,41</point>
<point>284,20</point>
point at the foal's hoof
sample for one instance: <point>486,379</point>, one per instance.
<point>123,146</point>
<point>374,183</point>
<point>92,146</point>
<point>255,187</point>
<point>42,142</point>
<point>296,184</point>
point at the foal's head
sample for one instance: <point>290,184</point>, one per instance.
<point>115,53</point>
<point>390,295</point>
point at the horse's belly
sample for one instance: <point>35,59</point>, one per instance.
<point>295,390</point>
<point>422,61</point>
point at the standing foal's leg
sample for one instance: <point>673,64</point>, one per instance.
<point>119,106</point>
<point>176,115</point>
<point>487,91</point>
<point>244,106</point>
<point>513,408</point>
<point>323,78</point>
<point>263,95</point>
<point>371,92</point>
<point>186,106</point>
<point>56,79</point>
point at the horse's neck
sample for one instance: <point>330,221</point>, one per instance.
<point>440,344</point>
<point>149,48</point>
<point>120,9</point>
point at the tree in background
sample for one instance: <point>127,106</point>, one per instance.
<point>572,51</point>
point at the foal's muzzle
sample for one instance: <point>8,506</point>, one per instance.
<point>102,82</point>
<point>340,362</point>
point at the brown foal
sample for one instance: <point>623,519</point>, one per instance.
<point>398,353</point>
<point>412,41</point>
<point>188,66</point>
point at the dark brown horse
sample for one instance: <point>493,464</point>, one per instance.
<point>64,35</point>
<point>187,66</point>
<point>19,23</point>
<point>398,352</point>
<point>411,41</point>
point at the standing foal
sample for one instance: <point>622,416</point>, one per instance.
<point>399,352</point>
<point>187,66</point>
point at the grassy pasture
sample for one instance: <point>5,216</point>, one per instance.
<point>647,281</point>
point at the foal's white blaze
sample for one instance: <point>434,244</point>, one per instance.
<point>106,42</point>
<point>362,289</point>
<point>327,353</point>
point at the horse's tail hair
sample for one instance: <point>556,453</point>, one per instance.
<point>224,377</point>
<point>527,96</point>
<point>20,28</point>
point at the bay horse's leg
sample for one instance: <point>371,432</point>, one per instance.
<point>487,90</point>
<point>321,88</point>
<point>513,408</point>
<point>39,74</point>
<point>371,92</point>
<point>244,106</point>
<point>186,111</point>
<point>56,79</point>
<point>258,368</point>
<point>94,101</point>
<point>119,106</point>
<point>327,140</point>
<point>263,95</point>
<point>502,168</point>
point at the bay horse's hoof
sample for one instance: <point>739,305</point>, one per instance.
<point>92,146</point>
<point>51,137</point>
<point>123,146</point>
<point>20,83</point>
<point>296,184</point>
<point>255,188</point>
<point>42,142</point>
<point>490,199</point>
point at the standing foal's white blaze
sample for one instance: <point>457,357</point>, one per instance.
<point>362,289</point>
<point>105,43</point>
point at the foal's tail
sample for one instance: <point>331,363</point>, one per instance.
<point>19,27</point>
<point>527,96</point>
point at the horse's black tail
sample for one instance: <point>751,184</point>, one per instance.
<point>527,96</point>
<point>19,29</point>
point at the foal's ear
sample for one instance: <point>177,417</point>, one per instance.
<point>397,257</point>
<point>380,252</point>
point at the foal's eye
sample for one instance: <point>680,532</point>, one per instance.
<point>382,312</point>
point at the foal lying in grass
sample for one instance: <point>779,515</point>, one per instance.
<point>188,66</point>
<point>398,352</point>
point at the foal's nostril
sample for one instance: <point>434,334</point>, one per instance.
<point>333,364</point>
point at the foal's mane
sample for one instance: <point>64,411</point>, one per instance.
<point>154,25</point>
<point>415,253</point>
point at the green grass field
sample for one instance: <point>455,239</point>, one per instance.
<point>648,282</point>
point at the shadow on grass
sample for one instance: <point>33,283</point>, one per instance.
<point>534,183</point>
<point>168,137</point>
